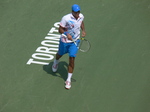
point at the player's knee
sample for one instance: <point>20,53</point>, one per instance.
<point>72,55</point>
<point>71,60</point>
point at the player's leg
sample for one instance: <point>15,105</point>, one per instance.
<point>62,50</point>
<point>70,68</point>
<point>70,72</point>
<point>55,63</point>
<point>72,54</point>
<point>71,64</point>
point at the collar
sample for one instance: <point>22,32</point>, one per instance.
<point>72,17</point>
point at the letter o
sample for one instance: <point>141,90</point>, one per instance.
<point>57,24</point>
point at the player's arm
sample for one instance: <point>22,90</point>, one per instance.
<point>83,29</point>
<point>62,30</point>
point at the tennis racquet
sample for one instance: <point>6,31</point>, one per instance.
<point>84,45</point>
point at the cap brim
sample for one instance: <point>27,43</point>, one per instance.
<point>76,10</point>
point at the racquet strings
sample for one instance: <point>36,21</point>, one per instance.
<point>84,45</point>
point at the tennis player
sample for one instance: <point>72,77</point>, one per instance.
<point>70,25</point>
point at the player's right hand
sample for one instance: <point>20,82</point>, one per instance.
<point>69,37</point>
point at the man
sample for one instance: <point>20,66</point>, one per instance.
<point>70,26</point>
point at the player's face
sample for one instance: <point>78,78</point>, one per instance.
<point>76,14</point>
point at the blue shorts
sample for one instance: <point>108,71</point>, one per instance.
<point>69,48</point>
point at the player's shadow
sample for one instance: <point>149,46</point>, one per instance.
<point>62,71</point>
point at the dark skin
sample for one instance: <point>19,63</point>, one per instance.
<point>62,30</point>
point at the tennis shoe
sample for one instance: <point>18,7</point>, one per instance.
<point>54,67</point>
<point>67,85</point>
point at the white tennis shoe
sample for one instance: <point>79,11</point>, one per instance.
<point>54,67</point>
<point>67,85</point>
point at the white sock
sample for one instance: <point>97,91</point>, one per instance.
<point>69,77</point>
<point>56,61</point>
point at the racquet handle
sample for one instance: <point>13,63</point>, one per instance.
<point>66,37</point>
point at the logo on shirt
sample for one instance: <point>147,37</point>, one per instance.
<point>70,24</point>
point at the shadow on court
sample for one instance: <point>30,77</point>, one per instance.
<point>62,71</point>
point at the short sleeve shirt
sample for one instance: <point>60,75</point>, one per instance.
<point>72,26</point>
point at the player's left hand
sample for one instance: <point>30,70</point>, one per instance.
<point>83,34</point>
